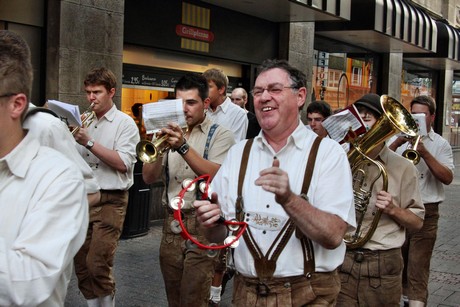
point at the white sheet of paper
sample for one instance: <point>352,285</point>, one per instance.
<point>67,112</point>
<point>157,115</point>
<point>420,119</point>
<point>339,124</point>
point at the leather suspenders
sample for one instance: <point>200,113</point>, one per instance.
<point>265,266</point>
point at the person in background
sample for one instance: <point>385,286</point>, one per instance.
<point>317,112</point>
<point>136,109</point>
<point>108,145</point>
<point>44,210</point>
<point>187,272</point>
<point>435,169</point>
<point>221,110</point>
<point>310,219</point>
<point>371,274</point>
<point>240,97</point>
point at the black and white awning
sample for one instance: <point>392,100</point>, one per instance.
<point>384,26</point>
<point>447,55</point>
<point>289,10</point>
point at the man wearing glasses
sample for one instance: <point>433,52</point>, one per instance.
<point>294,240</point>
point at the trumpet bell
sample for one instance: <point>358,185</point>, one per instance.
<point>412,155</point>
<point>146,151</point>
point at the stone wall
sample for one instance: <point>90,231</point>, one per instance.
<point>83,34</point>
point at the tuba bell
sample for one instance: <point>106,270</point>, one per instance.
<point>394,119</point>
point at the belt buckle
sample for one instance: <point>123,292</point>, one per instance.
<point>359,256</point>
<point>262,289</point>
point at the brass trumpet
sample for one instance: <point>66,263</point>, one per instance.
<point>411,152</point>
<point>149,151</point>
<point>86,118</point>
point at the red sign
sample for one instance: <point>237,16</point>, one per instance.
<point>194,33</point>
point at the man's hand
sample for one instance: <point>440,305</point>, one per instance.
<point>208,212</point>
<point>275,180</point>
<point>385,202</point>
<point>81,136</point>
<point>175,135</point>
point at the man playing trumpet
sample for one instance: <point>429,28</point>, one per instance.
<point>187,272</point>
<point>435,169</point>
<point>109,147</point>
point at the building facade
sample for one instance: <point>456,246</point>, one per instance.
<point>402,48</point>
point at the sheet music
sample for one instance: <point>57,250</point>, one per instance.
<point>157,115</point>
<point>339,124</point>
<point>420,119</point>
<point>67,112</point>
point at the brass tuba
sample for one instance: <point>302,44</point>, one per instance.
<point>394,119</point>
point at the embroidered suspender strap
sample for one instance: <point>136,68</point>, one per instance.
<point>208,140</point>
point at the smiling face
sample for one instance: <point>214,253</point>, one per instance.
<point>276,104</point>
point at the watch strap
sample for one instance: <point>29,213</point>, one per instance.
<point>183,149</point>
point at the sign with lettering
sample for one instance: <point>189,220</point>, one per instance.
<point>194,33</point>
<point>136,75</point>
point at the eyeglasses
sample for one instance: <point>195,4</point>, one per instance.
<point>8,95</point>
<point>272,89</point>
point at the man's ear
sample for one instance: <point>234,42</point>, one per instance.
<point>301,95</point>
<point>19,106</point>
<point>207,102</point>
<point>112,92</point>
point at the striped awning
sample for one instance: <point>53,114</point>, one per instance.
<point>290,10</point>
<point>385,26</point>
<point>447,55</point>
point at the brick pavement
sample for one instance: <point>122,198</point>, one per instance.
<point>139,281</point>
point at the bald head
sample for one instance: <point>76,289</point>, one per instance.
<point>239,97</point>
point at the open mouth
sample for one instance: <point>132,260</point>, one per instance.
<point>266,109</point>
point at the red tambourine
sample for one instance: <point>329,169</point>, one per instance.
<point>232,225</point>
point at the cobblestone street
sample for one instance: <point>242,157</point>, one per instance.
<point>139,281</point>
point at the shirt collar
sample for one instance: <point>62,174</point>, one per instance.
<point>430,134</point>
<point>19,159</point>
<point>297,137</point>
<point>223,106</point>
<point>110,115</point>
<point>203,126</point>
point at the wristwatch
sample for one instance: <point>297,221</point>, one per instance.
<point>90,144</point>
<point>183,149</point>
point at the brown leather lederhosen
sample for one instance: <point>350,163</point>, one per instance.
<point>265,266</point>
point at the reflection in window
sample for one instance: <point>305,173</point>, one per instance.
<point>340,78</point>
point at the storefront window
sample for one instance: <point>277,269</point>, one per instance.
<point>416,81</point>
<point>341,78</point>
